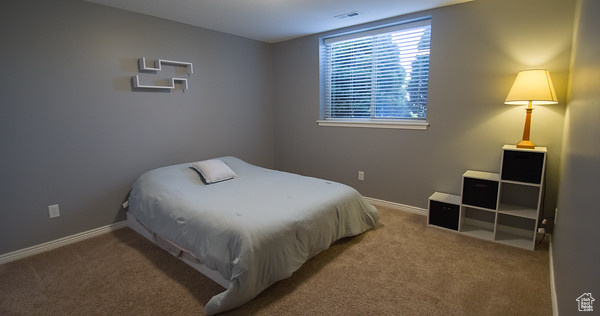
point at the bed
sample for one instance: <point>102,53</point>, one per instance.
<point>246,232</point>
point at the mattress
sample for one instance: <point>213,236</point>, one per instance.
<point>255,229</point>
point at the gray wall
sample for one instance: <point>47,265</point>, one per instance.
<point>476,51</point>
<point>73,132</point>
<point>576,253</point>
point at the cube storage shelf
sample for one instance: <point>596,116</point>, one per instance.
<point>502,207</point>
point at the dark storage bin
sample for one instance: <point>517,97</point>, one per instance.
<point>522,166</point>
<point>479,192</point>
<point>443,214</point>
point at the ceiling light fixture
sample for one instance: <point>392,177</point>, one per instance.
<point>347,15</point>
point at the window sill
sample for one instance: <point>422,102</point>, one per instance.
<point>375,124</point>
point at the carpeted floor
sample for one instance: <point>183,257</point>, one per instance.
<point>402,267</point>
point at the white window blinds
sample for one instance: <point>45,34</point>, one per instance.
<point>378,74</point>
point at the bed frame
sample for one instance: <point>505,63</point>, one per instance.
<point>178,252</point>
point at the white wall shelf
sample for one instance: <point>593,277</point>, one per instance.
<point>143,67</point>
<point>135,81</point>
<point>159,62</point>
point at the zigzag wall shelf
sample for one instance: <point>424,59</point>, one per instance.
<point>135,80</point>
<point>159,62</point>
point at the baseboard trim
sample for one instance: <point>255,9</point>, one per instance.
<point>552,284</point>
<point>20,254</point>
<point>397,206</point>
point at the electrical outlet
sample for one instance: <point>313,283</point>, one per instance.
<point>361,175</point>
<point>53,211</point>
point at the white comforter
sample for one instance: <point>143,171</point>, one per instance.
<point>255,229</point>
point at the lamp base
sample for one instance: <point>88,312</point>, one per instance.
<point>525,144</point>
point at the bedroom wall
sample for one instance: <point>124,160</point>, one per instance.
<point>576,254</point>
<point>73,132</point>
<point>477,50</point>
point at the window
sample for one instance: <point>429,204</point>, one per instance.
<point>377,78</point>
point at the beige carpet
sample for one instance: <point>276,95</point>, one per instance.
<point>402,267</point>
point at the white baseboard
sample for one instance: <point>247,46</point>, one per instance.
<point>19,254</point>
<point>397,206</point>
<point>552,284</point>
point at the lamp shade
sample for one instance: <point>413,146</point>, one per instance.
<point>533,86</point>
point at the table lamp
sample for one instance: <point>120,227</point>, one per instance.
<point>531,87</point>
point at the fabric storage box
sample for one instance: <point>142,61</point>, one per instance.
<point>443,214</point>
<point>522,166</point>
<point>480,192</point>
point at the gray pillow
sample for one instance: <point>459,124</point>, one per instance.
<point>214,170</point>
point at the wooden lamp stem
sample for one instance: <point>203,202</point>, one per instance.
<point>526,143</point>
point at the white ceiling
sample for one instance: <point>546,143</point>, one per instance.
<point>274,20</point>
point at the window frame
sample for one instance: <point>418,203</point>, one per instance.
<point>387,123</point>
